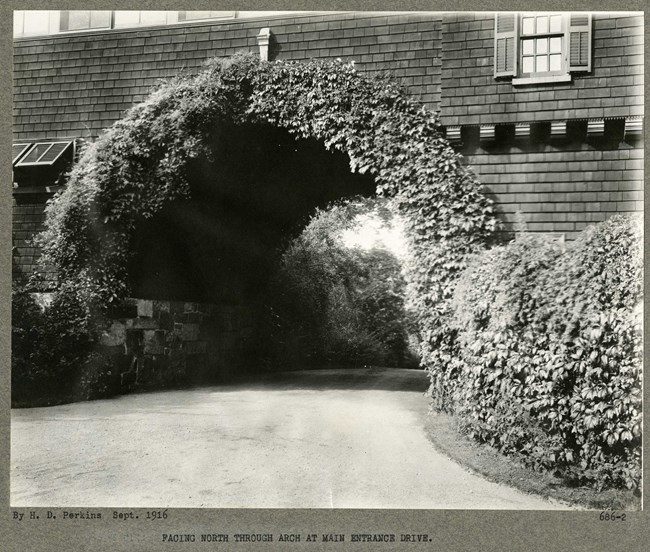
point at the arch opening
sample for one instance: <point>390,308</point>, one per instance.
<point>255,191</point>
<point>121,218</point>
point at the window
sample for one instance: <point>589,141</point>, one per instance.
<point>44,154</point>
<point>198,15</point>
<point>78,20</point>
<point>140,18</point>
<point>541,47</point>
<point>17,151</point>
<point>32,22</point>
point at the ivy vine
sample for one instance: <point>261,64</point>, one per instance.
<point>141,163</point>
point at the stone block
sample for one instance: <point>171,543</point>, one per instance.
<point>177,331</point>
<point>154,342</point>
<point>115,335</point>
<point>165,321</point>
<point>123,311</point>
<point>176,307</point>
<point>190,332</point>
<point>193,317</point>
<point>195,347</point>
<point>142,324</point>
<point>160,307</point>
<point>145,308</point>
<point>134,341</point>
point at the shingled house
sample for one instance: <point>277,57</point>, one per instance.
<point>546,107</point>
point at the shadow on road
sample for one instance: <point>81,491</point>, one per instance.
<point>384,379</point>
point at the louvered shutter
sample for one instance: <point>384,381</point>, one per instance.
<point>505,44</point>
<point>579,42</point>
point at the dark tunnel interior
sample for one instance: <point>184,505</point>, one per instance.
<point>257,192</point>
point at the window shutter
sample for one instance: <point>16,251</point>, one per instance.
<point>580,42</point>
<point>505,44</point>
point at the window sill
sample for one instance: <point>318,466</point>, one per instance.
<point>541,80</point>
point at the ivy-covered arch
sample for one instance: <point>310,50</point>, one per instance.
<point>140,164</point>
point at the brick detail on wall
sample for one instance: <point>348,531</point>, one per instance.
<point>471,94</point>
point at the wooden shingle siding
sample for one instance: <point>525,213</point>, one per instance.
<point>471,94</point>
<point>558,187</point>
<point>75,86</point>
<point>562,191</point>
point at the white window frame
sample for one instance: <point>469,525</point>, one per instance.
<point>60,30</point>
<point>38,163</point>
<point>24,147</point>
<point>53,23</point>
<point>506,36</point>
<point>170,17</point>
<point>231,15</point>
<point>535,37</point>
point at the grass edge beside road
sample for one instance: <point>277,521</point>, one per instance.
<point>441,429</point>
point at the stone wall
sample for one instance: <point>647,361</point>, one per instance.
<point>158,344</point>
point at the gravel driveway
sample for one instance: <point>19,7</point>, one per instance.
<point>319,439</point>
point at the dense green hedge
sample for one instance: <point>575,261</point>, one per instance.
<point>542,353</point>
<point>53,356</point>
<point>331,304</point>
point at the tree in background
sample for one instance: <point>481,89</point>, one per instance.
<point>339,304</point>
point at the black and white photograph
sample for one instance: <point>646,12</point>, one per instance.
<point>326,260</point>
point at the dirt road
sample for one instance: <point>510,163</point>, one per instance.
<point>326,439</point>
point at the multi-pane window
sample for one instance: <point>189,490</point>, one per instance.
<point>541,46</point>
<point>77,20</point>
<point>198,15</point>
<point>44,153</point>
<point>28,23</point>
<point>139,18</point>
<point>32,22</point>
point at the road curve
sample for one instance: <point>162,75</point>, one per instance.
<point>317,439</point>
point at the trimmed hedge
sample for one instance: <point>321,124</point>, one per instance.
<point>542,353</point>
